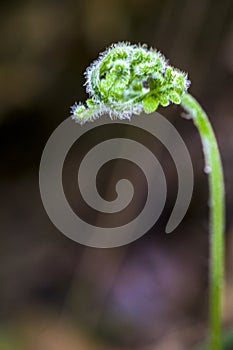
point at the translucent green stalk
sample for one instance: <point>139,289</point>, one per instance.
<point>129,79</point>
<point>216,186</point>
<point>227,341</point>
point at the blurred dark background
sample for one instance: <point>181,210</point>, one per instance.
<point>153,293</point>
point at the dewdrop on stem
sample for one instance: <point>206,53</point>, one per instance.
<point>207,169</point>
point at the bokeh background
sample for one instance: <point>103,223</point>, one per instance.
<point>152,294</point>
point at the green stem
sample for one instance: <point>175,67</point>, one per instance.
<point>227,341</point>
<point>213,167</point>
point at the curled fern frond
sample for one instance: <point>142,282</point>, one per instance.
<point>128,79</point>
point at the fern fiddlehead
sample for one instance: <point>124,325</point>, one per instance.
<point>129,79</point>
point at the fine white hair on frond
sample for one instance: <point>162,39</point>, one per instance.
<point>124,79</point>
<point>94,65</point>
<point>124,113</point>
<point>88,75</point>
<point>74,108</point>
<point>89,114</point>
<point>187,82</point>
